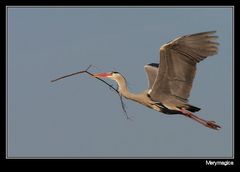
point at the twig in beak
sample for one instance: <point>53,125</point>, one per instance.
<point>110,86</point>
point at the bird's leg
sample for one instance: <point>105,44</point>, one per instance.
<point>209,124</point>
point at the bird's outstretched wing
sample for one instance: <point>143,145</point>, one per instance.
<point>178,60</point>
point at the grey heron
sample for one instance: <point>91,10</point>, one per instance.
<point>170,81</point>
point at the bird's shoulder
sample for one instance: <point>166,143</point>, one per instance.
<point>170,44</point>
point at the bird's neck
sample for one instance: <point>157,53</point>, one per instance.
<point>123,89</point>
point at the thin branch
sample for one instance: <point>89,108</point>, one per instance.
<point>123,107</point>
<point>103,81</point>
<point>65,76</point>
<point>68,75</point>
<point>86,71</point>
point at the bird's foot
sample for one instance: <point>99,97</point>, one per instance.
<point>209,124</point>
<point>212,125</point>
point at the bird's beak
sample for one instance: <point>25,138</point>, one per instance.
<point>102,75</point>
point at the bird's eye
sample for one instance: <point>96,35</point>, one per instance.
<point>114,72</point>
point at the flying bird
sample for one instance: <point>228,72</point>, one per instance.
<point>170,81</point>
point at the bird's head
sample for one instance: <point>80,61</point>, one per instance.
<point>116,76</point>
<point>111,75</point>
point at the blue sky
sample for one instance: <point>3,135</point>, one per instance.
<point>80,116</point>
